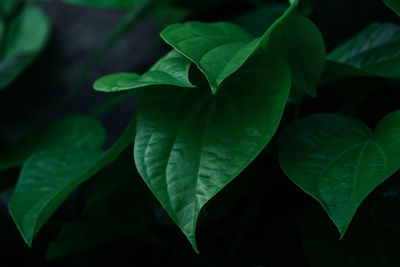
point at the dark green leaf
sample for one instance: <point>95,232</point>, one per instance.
<point>173,69</point>
<point>394,5</point>
<point>190,143</point>
<point>21,41</point>
<point>219,49</point>
<point>256,21</point>
<point>374,51</point>
<point>49,176</point>
<point>339,160</point>
<point>114,210</point>
<point>71,132</point>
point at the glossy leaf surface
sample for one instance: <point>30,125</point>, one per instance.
<point>48,177</point>
<point>173,69</point>
<point>70,132</point>
<point>190,143</point>
<point>374,50</point>
<point>339,160</point>
<point>23,39</point>
<point>219,49</point>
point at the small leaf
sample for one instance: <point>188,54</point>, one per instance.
<point>75,132</point>
<point>190,143</point>
<point>24,38</point>
<point>108,3</point>
<point>374,51</point>
<point>173,69</point>
<point>48,177</point>
<point>394,5</point>
<point>339,160</point>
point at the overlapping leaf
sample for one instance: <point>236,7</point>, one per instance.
<point>190,144</point>
<point>219,49</point>
<point>49,176</point>
<point>173,69</point>
<point>23,39</point>
<point>339,160</point>
<point>74,132</point>
<point>373,52</point>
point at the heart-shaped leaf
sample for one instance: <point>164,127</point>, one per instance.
<point>373,52</point>
<point>190,143</point>
<point>70,132</point>
<point>394,5</point>
<point>173,69</point>
<point>338,160</point>
<point>24,37</point>
<point>48,177</point>
<point>219,49</point>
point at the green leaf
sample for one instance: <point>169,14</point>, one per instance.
<point>191,143</point>
<point>374,51</point>
<point>338,160</point>
<point>114,206</point>
<point>75,132</point>
<point>48,177</point>
<point>108,3</point>
<point>256,21</point>
<point>173,69</point>
<point>21,41</point>
<point>219,49</point>
<point>394,5</point>
<point>306,59</point>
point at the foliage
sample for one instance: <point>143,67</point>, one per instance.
<point>226,95</point>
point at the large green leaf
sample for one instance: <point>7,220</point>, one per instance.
<point>394,5</point>
<point>338,160</point>
<point>173,69</point>
<point>108,3</point>
<point>372,52</point>
<point>22,40</point>
<point>219,49</point>
<point>191,143</point>
<point>49,176</point>
<point>71,132</point>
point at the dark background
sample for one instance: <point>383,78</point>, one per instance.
<point>247,228</point>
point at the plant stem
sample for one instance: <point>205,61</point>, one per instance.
<point>121,29</point>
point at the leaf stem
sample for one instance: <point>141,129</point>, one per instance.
<point>126,24</point>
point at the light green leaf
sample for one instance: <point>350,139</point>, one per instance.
<point>22,41</point>
<point>48,177</point>
<point>394,5</point>
<point>338,160</point>
<point>191,143</point>
<point>108,3</point>
<point>374,51</point>
<point>75,132</point>
<point>220,49</point>
<point>173,69</point>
